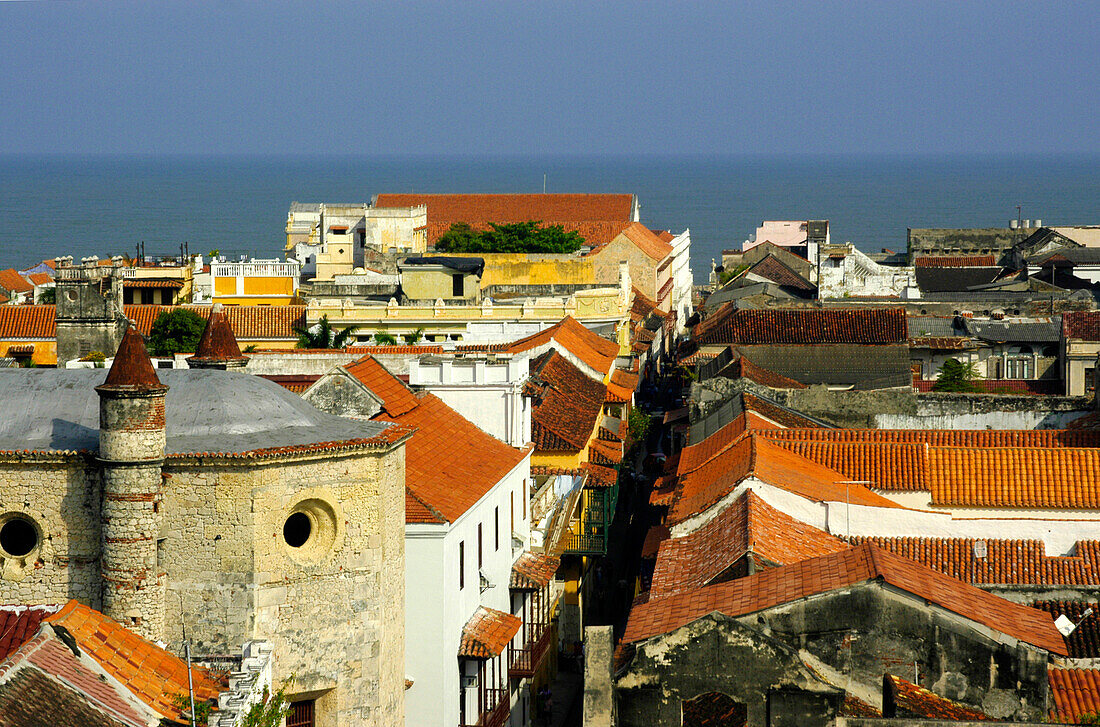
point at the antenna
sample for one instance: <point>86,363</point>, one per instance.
<point>187,655</point>
<point>544,182</point>
<point>1067,627</point>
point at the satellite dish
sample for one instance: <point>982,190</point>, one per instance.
<point>1064,625</point>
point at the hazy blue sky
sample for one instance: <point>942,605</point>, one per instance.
<point>527,77</point>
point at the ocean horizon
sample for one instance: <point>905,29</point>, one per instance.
<point>84,205</point>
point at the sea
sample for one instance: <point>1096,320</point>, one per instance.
<point>95,205</point>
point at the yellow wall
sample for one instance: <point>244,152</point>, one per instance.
<point>432,284</point>
<point>45,352</point>
<point>253,300</point>
<point>255,291</point>
<point>521,269</point>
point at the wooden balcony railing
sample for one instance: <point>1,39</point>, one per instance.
<point>526,659</point>
<point>497,709</point>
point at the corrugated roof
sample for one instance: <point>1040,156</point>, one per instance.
<point>775,586</point>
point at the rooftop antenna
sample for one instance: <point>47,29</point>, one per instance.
<point>187,655</point>
<point>1019,217</point>
<point>544,182</point>
<point>1067,627</point>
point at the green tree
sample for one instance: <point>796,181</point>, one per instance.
<point>638,423</point>
<point>322,336</point>
<point>269,711</point>
<point>176,331</point>
<point>48,297</point>
<point>955,376</point>
<point>381,338</point>
<point>515,237</point>
<point>413,338</point>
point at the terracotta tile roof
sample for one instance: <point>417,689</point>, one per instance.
<point>1034,387</point>
<point>915,700</point>
<point>148,283</point>
<point>249,322</point>
<point>532,571</point>
<point>564,412</point>
<point>18,625</point>
<point>1082,325</point>
<point>853,325</point>
<point>947,437</point>
<point>147,670</point>
<point>21,350</point>
<point>656,535</point>
<point>132,369</point>
<point>748,525</point>
<point>439,469</point>
<point>298,383</point>
<point>641,305</point>
<point>27,321</point>
<point>697,454</point>
<point>955,261</point>
<point>887,465</point>
<point>1074,692</point>
<point>10,279</point>
<point>775,586</point>
<point>1012,562</point>
<point>775,270</point>
<point>781,417</point>
<point>625,379</point>
<point>743,367</point>
<point>418,511</point>
<point>856,707</point>
<point>664,491</point>
<point>1015,477</point>
<point>397,398</point>
<point>515,207</point>
<point>487,633</point>
<point>605,453</point>
<point>45,683</point>
<point>40,278</point>
<point>644,239</point>
<point>753,455</point>
<point>1084,642</point>
<point>593,350</point>
<point>599,475</point>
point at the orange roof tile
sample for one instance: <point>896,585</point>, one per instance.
<point>775,586</point>
<point>753,455</point>
<point>697,454</point>
<point>749,525</point>
<point>887,465</point>
<point>27,321</point>
<point>418,511</point>
<point>147,670</point>
<point>916,700</point>
<point>298,383</point>
<point>132,369</point>
<point>949,437</point>
<point>10,279</point>
<point>439,470</point>
<point>1016,562</point>
<point>593,350</point>
<point>532,571</point>
<point>854,325</point>
<point>644,239</point>
<point>487,633</point>
<point>397,398</point>
<point>515,207</point>
<point>601,452</point>
<point>1015,477</point>
<point>566,406</point>
<point>1074,692</point>
<point>249,322</point>
<point>151,283</point>
<point>40,278</point>
<point>664,491</point>
<point>1084,642</point>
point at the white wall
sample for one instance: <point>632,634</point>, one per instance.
<point>488,394</point>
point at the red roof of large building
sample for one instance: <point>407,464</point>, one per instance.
<point>752,327</point>
<point>948,437</point>
<point>776,586</point>
<point>470,208</point>
<point>569,334</point>
<point>749,525</point>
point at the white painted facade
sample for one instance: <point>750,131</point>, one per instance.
<point>844,271</point>
<point>487,392</point>
<point>682,280</point>
<point>438,602</point>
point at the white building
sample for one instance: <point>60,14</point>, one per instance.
<point>329,239</point>
<point>843,271</point>
<point>682,280</point>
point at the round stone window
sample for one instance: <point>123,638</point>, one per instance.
<point>19,536</point>
<point>309,530</point>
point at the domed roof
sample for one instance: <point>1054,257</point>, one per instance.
<point>207,411</point>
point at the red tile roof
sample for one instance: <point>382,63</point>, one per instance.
<point>1082,325</point>
<point>10,279</point>
<point>567,404</point>
<point>741,366</point>
<point>27,321</point>
<point>1074,693</point>
<point>643,238</point>
<point>1084,642</point>
<point>775,586</point>
<point>1006,562</point>
<point>132,370</point>
<point>18,625</point>
<point>887,465</point>
<point>748,525</point>
<point>601,452</point>
<point>298,383</point>
<point>955,261</point>
<point>755,408</point>
<point>753,455</point>
<point>147,670</point>
<point>397,398</point>
<point>777,271</point>
<point>515,207</point>
<point>916,700</point>
<point>853,325</point>
<point>656,535</point>
<point>947,437</point>
<point>40,278</point>
<point>487,633</point>
<point>533,571</point>
<point>249,322</point>
<point>697,454</point>
<point>440,472</point>
<point>418,511</point>
<point>1035,387</point>
<point>1015,477</point>
<point>148,283</point>
<point>593,350</point>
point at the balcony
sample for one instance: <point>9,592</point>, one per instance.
<point>587,534</point>
<point>496,710</point>
<point>526,659</point>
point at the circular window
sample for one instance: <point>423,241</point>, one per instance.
<point>310,530</point>
<point>297,529</point>
<point>18,536</point>
<point>70,294</point>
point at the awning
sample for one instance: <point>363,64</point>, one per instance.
<point>487,633</point>
<point>533,571</point>
<point>145,283</point>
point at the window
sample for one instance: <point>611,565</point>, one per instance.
<point>479,548</point>
<point>457,288</point>
<point>461,565</point>
<point>496,528</point>
<point>1018,367</point>
<point>300,714</point>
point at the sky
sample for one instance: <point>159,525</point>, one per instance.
<point>476,77</point>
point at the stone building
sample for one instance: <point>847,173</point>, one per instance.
<point>89,310</point>
<point>217,502</point>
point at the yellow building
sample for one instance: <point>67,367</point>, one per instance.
<point>258,282</point>
<point>154,284</point>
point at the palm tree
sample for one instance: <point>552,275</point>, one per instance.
<point>321,335</point>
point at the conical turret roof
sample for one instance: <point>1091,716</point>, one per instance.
<point>132,368</point>
<point>217,344</point>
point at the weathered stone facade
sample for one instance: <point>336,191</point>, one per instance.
<point>89,311</point>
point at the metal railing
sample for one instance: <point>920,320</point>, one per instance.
<point>498,704</point>
<point>256,269</point>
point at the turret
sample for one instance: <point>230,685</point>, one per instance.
<point>218,347</point>
<point>131,452</point>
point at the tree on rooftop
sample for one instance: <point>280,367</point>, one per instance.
<point>956,376</point>
<point>320,335</point>
<point>515,237</point>
<point>176,331</point>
